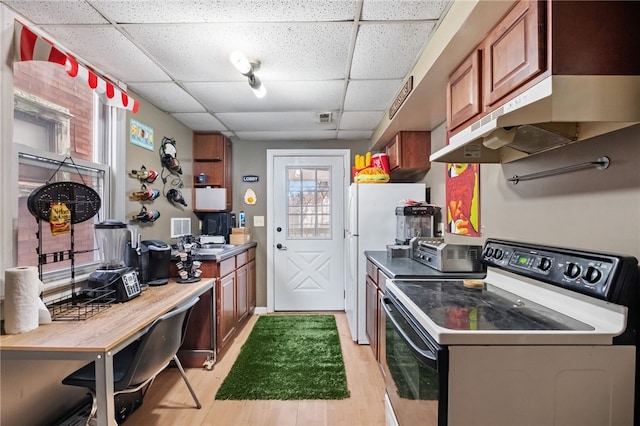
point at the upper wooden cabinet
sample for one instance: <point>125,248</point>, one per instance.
<point>539,38</point>
<point>212,157</point>
<point>409,156</point>
<point>463,91</point>
<point>513,51</point>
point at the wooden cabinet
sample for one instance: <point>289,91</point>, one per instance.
<point>463,91</point>
<point>252,278</point>
<point>408,154</point>
<point>226,309</point>
<point>537,39</point>
<point>212,156</point>
<point>513,51</point>
<point>374,313</point>
<point>242,276</point>
<point>371,306</point>
<point>216,321</point>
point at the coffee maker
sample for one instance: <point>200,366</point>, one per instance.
<point>112,273</point>
<point>152,259</point>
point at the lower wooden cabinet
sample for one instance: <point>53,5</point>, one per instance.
<point>374,317</point>
<point>242,276</point>
<point>227,319</point>
<point>371,324</point>
<point>215,323</point>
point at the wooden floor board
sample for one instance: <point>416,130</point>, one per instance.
<point>168,402</point>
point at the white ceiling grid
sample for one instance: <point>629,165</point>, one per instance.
<point>348,57</point>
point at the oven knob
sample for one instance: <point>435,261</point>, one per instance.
<point>488,252</point>
<point>544,264</point>
<point>592,275</point>
<point>498,254</point>
<point>572,270</point>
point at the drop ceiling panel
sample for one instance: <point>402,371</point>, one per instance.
<point>355,134</point>
<point>107,50</point>
<point>200,52</point>
<point>200,121</point>
<point>388,50</point>
<point>288,136</point>
<point>405,10</point>
<point>227,10</point>
<point>281,96</point>
<point>168,97</point>
<point>359,120</point>
<point>57,12</point>
<point>274,121</point>
<point>370,94</point>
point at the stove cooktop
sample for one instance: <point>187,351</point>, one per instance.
<point>451,305</point>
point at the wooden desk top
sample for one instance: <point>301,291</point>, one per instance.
<point>109,328</point>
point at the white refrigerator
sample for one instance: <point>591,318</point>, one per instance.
<point>371,225</point>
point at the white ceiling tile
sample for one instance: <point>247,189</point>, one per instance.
<point>370,94</point>
<point>168,97</point>
<point>288,136</point>
<point>107,50</point>
<point>274,121</point>
<point>360,120</point>
<point>281,96</point>
<point>391,10</point>
<point>388,50</point>
<point>199,121</point>
<point>200,52</point>
<point>355,134</point>
<point>57,12</point>
<point>227,10</point>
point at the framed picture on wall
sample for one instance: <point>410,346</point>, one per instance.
<point>462,185</point>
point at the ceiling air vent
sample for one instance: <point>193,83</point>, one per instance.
<point>324,117</point>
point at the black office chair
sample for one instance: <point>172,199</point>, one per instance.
<point>136,366</point>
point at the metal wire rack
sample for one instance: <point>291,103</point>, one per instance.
<point>81,306</point>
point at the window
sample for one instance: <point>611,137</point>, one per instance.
<point>309,202</point>
<point>56,117</point>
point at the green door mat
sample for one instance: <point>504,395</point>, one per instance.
<point>289,357</point>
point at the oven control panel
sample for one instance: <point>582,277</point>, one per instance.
<point>595,274</point>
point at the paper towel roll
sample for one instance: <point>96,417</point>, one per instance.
<point>22,303</point>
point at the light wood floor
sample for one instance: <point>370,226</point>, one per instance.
<point>168,402</point>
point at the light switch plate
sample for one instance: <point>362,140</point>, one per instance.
<point>258,221</point>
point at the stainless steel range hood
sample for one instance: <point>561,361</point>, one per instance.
<point>557,111</point>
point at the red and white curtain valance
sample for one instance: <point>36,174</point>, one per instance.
<point>29,46</point>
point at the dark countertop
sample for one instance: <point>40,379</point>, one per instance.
<point>407,268</point>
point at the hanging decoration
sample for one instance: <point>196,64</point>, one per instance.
<point>462,185</point>
<point>30,46</point>
<point>169,160</point>
<point>144,175</point>
<point>250,197</point>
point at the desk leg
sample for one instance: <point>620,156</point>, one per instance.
<point>104,389</point>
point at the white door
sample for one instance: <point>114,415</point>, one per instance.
<point>308,232</point>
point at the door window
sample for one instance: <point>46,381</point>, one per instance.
<point>309,202</point>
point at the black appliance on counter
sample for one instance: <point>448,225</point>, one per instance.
<point>549,335</point>
<point>218,223</point>
<point>151,259</point>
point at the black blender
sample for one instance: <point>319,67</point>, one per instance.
<point>112,273</point>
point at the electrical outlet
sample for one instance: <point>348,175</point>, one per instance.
<point>258,221</point>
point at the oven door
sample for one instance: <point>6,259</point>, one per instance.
<point>415,369</point>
